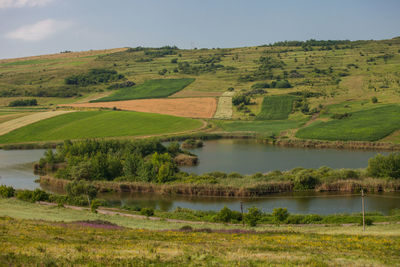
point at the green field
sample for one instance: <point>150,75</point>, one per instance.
<point>150,89</point>
<point>50,236</point>
<point>367,125</point>
<point>265,127</point>
<point>90,124</point>
<point>342,77</point>
<point>276,107</point>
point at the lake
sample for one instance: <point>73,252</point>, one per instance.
<point>228,155</point>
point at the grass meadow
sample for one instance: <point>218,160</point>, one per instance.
<point>367,125</point>
<point>37,235</point>
<point>150,89</point>
<point>90,124</point>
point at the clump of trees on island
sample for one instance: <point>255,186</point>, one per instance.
<point>142,160</point>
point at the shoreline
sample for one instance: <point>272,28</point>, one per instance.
<point>299,143</point>
<point>218,190</point>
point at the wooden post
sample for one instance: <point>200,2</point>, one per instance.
<point>241,209</point>
<point>363,208</point>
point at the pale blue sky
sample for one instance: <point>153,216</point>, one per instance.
<point>33,27</point>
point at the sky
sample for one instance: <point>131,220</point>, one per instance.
<point>36,27</point>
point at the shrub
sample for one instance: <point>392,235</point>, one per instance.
<point>368,221</point>
<point>305,179</point>
<point>25,195</point>
<point>240,99</point>
<point>21,102</point>
<point>95,205</point>
<point>147,212</point>
<point>39,195</point>
<point>295,219</point>
<point>174,60</point>
<point>280,214</point>
<point>260,85</point>
<point>6,191</point>
<point>95,76</point>
<point>252,216</point>
<point>311,218</point>
<point>186,228</point>
<point>281,84</point>
<point>374,99</point>
<point>341,116</point>
<point>227,215</point>
<point>385,166</point>
<point>231,89</point>
<point>235,175</point>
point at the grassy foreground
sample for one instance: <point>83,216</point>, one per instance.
<point>46,242</point>
<point>99,124</point>
<point>150,89</point>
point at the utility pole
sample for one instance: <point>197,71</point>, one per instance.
<point>241,209</point>
<point>363,208</point>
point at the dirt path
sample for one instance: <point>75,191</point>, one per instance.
<point>11,125</point>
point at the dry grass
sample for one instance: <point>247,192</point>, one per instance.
<point>182,107</point>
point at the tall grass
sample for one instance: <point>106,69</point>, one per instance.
<point>276,107</point>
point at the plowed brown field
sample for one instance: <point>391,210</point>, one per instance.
<point>203,107</point>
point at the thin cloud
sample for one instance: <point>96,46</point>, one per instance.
<point>23,3</point>
<point>38,31</point>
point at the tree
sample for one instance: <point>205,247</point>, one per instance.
<point>280,214</point>
<point>374,100</point>
<point>252,216</point>
<point>79,188</point>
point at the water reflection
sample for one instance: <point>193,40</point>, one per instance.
<point>248,157</point>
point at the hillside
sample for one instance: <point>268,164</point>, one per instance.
<point>327,80</point>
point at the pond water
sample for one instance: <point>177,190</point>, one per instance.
<point>16,168</point>
<point>297,203</point>
<point>244,156</point>
<point>248,157</point>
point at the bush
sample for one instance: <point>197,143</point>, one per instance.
<point>235,175</point>
<point>240,99</point>
<point>305,179</point>
<point>374,99</point>
<point>368,221</point>
<point>95,76</point>
<point>281,84</point>
<point>95,205</point>
<point>21,103</point>
<point>226,215</point>
<point>6,191</point>
<point>312,218</point>
<point>385,166</point>
<point>260,85</point>
<point>40,195</point>
<point>252,216</point>
<point>25,195</point>
<point>147,212</point>
<point>280,214</point>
